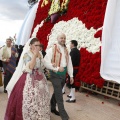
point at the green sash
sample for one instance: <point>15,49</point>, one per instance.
<point>62,73</point>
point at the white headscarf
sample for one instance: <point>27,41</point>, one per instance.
<point>18,71</point>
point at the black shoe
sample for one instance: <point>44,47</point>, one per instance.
<point>63,93</point>
<point>5,91</point>
<point>67,119</point>
<point>69,96</point>
<point>55,112</point>
<point>71,101</point>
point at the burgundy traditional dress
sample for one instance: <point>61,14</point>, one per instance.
<point>29,99</point>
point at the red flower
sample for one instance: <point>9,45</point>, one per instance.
<point>92,14</point>
<point>98,34</point>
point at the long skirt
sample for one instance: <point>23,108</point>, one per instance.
<point>29,99</point>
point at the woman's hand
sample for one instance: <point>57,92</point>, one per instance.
<point>36,52</point>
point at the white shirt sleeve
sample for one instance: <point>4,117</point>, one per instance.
<point>70,67</point>
<point>47,61</point>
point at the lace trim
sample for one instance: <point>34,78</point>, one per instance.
<point>36,100</point>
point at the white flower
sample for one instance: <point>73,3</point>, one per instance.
<point>34,34</point>
<point>74,29</point>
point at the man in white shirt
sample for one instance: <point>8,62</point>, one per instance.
<point>58,61</point>
<point>4,56</point>
<point>8,55</point>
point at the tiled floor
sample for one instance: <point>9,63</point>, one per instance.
<point>87,107</point>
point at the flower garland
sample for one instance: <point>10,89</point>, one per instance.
<point>91,14</point>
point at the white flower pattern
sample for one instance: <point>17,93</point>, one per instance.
<point>74,29</point>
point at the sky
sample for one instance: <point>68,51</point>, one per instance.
<point>12,14</point>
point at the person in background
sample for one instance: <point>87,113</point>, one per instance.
<point>75,57</point>
<point>8,55</point>
<point>20,49</point>
<point>16,46</point>
<point>1,65</point>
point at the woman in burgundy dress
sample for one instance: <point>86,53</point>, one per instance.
<point>29,99</point>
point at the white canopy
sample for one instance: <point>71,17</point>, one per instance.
<point>110,56</point>
<point>25,31</point>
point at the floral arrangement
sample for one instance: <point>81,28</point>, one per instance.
<point>57,9</point>
<point>80,33</point>
<point>83,22</point>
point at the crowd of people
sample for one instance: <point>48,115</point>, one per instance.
<point>29,96</point>
<point>9,56</point>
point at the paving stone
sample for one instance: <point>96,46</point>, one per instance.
<point>89,107</point>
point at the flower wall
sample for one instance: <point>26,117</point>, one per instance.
<point>89,15</point>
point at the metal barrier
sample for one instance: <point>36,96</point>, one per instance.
<point>110,89</point>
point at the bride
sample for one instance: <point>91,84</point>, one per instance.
<point>29,98</point>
